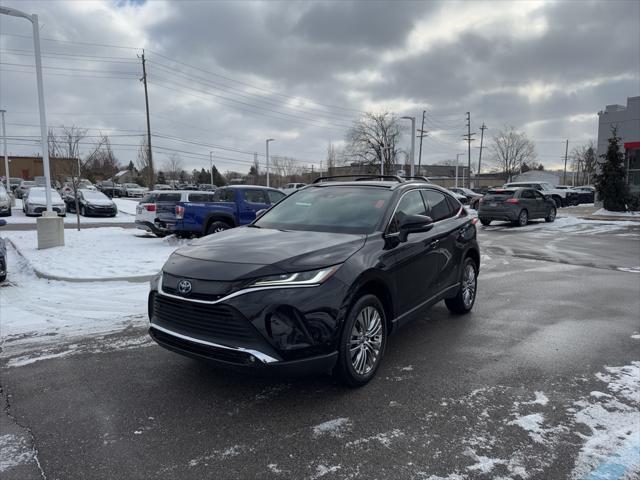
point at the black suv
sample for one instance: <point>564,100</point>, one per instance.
<point>320,280</point>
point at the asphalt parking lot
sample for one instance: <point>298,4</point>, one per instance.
<point>502,392</point>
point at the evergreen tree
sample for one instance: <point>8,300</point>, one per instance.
<point>131,167</point>
<point>610,183</point>
<point>161,179</point>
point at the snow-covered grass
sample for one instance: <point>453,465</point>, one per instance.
<point>126,214</point>
<point>609,213</point>
<point>127,205</point>
<point>97,253</point>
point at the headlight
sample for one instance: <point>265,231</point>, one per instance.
<point>313,277</point>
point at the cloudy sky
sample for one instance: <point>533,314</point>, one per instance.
<point>224,76</point>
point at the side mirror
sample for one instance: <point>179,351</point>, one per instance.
<point>414,224</point>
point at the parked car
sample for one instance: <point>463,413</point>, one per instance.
<point>207,187</point>
<point>162,186</point>
<point>110,189</point>
<point>292,187</point>
<point>516,205</point>
<point>461,198</point>
<point>187,186</point>
<point>3,255</point>
<point>34,203</point>
<point>147,209</point>
<point>5,202</point>
<point>230,207</point>
<point>320,280</point>
<point>24,187</point>
<point>559,196</point>
<point>133,190</point>
<point>579,195</point>
<point>91,203</point>
<point>472,197</point>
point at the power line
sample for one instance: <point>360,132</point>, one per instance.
<point>49,67</point>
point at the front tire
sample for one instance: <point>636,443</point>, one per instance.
<point>362,342</point>
<point>551,216</point>
<point>465,298</point>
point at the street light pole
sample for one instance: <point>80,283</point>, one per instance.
<point>267,152</point>
<point>413,143</point>
<point>457,162</point>
<point>6,158</point>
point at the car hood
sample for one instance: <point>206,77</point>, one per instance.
<point>246,252</point>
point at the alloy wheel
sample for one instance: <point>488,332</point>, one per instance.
<point>365,344</point>
<point>469,285</point>
<point>523,218</point>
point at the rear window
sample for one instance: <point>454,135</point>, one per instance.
<point>499,195</point>
<point>148,198</point>
<point>168,197</point>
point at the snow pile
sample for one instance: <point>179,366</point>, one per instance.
<point>335,428</point>
<point>14,451</point>
<point>96,253</point>
<point>609,213</point>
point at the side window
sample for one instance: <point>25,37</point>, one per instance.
<point>538,195</point>
<point>528,194</point>
<point>438,208</point>
<point>275,196</point>
<point>454,204</point>
<point>410,204</point>
<point>254,196</point>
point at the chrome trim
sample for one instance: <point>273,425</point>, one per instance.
<point>232,295</point>
<point>455,285</point>
<point>263,357</point>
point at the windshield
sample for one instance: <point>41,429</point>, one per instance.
<point>132,185</point>
<point>92,195</point>
<point>337,209</point>
<point>28,184</point>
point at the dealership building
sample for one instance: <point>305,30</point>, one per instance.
<point>627,121</point>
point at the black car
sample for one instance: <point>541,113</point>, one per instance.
<point>110,189</point>
<point>579,195</point>
<point>320,280</point>
<point>3,256</point>
<point>516,205</point>
<point>91,203</point>
<point>473,198</point>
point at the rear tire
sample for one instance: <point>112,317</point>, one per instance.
<point>485,221</point>
<point>362,343</point>
<point>551,216</point>
<point>523,219</point>
<point>466,297</point>
<point>215,227</point>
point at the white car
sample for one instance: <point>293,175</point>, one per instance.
<point>557,194</point>
<point>35,202</point>
<point>5,202</point>
<point>147,209</point>
<point>134,190</point>
<point>292,187</point>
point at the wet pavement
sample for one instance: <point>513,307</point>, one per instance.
<point>508,391</point>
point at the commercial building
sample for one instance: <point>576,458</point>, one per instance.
<point>27,168</point>
<point>626,119</point>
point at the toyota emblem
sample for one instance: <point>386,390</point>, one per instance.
<point>184,287</point>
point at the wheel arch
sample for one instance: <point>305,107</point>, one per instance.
<point>374,285</point>
<point>218,217</point>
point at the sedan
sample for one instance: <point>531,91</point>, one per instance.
<point>91,203</point>
<point>5,202</point>
<point>24,187</point>
<point>516,205</point>
<point>134,190</point>
<point>35,202</point>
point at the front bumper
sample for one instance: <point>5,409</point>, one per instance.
<point>61,211</point>
<point>100,211</point>
<point>274,329</point>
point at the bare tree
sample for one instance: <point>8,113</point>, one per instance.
<point>374,139</point>
<point>584,161</point>
<point>332,158</point>
<point>142,162</point>
<point>510,150</point>
<point>173,166</point>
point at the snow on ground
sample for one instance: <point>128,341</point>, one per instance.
<point>126,214</point>
<point>334,428</point>
<point>39,316</point>
<point>609,213</point>
<point>127,205</point>
<point>97,253</point>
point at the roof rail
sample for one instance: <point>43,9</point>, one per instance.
<point>359,178</point>
<point>417,177</point>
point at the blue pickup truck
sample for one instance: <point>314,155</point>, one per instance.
<point>230,207</point>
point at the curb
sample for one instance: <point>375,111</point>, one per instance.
<point>608,218</point>
<point>61,278</point>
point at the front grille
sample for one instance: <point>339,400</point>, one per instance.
<point>205,321</point>
<point>209,290</point>
<point>223,354</point>
<point>194,295</point>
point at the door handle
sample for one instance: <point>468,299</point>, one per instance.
<point>434,244</point>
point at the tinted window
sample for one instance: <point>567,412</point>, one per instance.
<point>538,195</point>
<point>200,197</point>
<point>275,196</point>
<point>411,203</point>
<point>527,194</point>
<point>168,197</point>
<point>254,196</point>
<point>224,195</point>
<point>438,207</point>
<point>339,209</point>
<point>454,204</point>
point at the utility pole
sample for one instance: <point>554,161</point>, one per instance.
<point>146,101</point>
<point>457,162</point>
<point>413,144</point>
<point>267,152</point>
<point>421,135</point>
<point>482,129</point>
<point>566,152</point>
<point>6,159</point>
<point>469,140</point>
